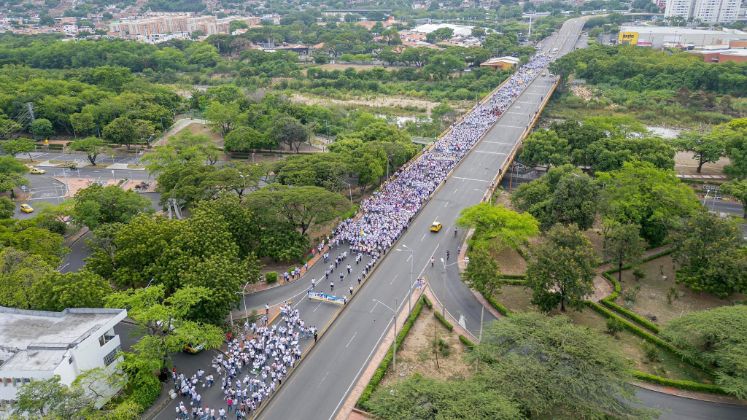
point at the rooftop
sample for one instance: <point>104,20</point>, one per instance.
<point>38,339</point>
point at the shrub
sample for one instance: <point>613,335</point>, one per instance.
<point>441,346</point>
<point>467,342</point>
<point>427,302</point>
<point>651,352</point>
<point>443,321</point>
<point>644,322</point>
<point>271,277</point>
<point>614,326</point>
<point>677,383</point>
<point>497,306</point>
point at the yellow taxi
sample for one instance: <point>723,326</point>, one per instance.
<point>436,227</point>
<point>36,171</point>
<point>26,208</point>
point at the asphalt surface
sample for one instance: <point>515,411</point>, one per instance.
<point>319,386</point>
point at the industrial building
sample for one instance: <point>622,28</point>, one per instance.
<point>668,36</point>
<point>173,25</point>
<point>36,345</point>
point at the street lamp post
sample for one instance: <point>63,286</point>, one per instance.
<point>443,276</point>
<point>350,191</point>
<point>394,319</point>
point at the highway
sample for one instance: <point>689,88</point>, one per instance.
<point>318,387</point>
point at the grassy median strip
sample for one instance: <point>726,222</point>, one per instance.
<point>378,375</point>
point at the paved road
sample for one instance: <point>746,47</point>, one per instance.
<point>317,389</point>
<point>674,408</point>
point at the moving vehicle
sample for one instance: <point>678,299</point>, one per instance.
<point>194,348</point>
<point>36,171</point>
<point>26,208</point>
<point>436,226</point>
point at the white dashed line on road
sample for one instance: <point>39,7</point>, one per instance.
<point>351,339</point>
<point>317,307</point>
<point>471,179</point>
<point>489,153</point>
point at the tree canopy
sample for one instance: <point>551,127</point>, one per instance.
<point>561,269</point>
<point>497,224</point>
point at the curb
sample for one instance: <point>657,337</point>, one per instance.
<point>690,395</point>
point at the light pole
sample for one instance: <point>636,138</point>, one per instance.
<point>394,319</point>
<point>412,261</point>
<point>350,191</point>
<point>443,276</point>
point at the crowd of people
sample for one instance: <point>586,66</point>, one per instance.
<point>253,366</point>
<point>385,215</point>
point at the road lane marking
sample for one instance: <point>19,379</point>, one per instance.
<point>364,365</point>
<point>317,307</point>
<point>351,339</point>
<point>394,278</point>
<point>423,238</point>
<point>374,307</point>
<point>323,378</point>
<point>510,126</point>
<point>409,257</point>
<point>489,153</point>
<point>497,142</point>
<point>471,179</point>
<point>446,204</point>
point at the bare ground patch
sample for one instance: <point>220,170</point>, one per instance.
<point>686,165</point>
<point>659,281</point>
<point>417,353</point>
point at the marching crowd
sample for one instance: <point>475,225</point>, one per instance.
<point>253,366</point>
<point>256,363</point>
<point>386,214</point>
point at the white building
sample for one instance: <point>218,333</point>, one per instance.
<point>41,344</point>
<point>705,11</point>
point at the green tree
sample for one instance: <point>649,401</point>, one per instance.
<point>41,128</point>
<point>705,149</point>
<point>8,126</point>
<point>126,131</point>
<point>418,397</point>
<point>545,148</point>
<point>164,319</point>
<point>83,123</point>
<point>551,367</point>
<point>655,199</point>
<point>92,146</point>
<point>240,177</point>
<point>20,271</point>
<point>719,337</point>
<point>183,149</point>
<point>247,139</point>
<point>623,244</point>
<point>711,255</point>
<point>734,136</point>
<point>497,226</point>
<point>564,195</point>
<point>439,35</point>
<point>96,205</point>
<point>16,146</point>
<point>289,131</point>
<point>483,271</point>
<point>7,208</point>
<point>301,207</point>
<point>561,269</point>
<point>738,190</point>
<point>11,174</point>
<point>223,117</point>
<point>188,183</point>
<point>81,289</point>
<point>48,398</point>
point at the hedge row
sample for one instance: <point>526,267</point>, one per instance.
<point>427,302</point>
<point>387,360</point>
<point>497,305</point>
<point>513,276</point>
<point>445,322</point>
<point>680,384</point>
<point>513,282</point>
<point>645,322</point>
<point>635,329</point>
<point>467,342</point>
